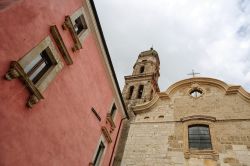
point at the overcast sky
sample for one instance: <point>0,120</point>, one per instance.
<point>210,36</point>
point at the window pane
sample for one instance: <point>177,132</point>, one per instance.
<point>199,137</point>
<point>39,66</point>
<point>36,72</point>
<point>32,63</point>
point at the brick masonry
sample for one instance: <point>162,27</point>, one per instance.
<point>158,134</point>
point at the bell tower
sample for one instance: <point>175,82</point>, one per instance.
<point>139,87</point>
<point>143,83</point>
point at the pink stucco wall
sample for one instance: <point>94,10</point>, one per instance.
<point>60,130</point>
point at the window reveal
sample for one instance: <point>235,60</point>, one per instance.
<point>113,110</point>
<point>80,24</point>
<point>99,154</point>
<point>38,66</point>
<point>131,90</point>
<point>142,69</point>
<point>140,91</point>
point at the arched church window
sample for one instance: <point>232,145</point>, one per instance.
<point>140,91</point>
<point>196,93</point>
<point>199,137</point>
<point>142,69</point>
<point>131,90</point>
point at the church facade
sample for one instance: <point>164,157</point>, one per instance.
<point>196,122</point>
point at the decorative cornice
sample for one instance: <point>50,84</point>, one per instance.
<point>141,63</point>
<point>146,106</point>
<point>106,134</point>
<point>198,117</point>
<point>16,71</point>
<point>110,120</point>
<point>60,44</point>
<point>139,76</point>
<point>229,89</point>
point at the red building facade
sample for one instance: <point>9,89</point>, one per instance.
<point>60,102</point>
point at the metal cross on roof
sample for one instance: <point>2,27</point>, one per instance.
<point>193,73</point>
<point>151,48</point>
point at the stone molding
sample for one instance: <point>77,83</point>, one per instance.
<point>16,70</point>
<point>86,30</point>
<point>198,117</point>
<point>139,77</point>
<point>229,89</point>
<point>106,134</point>
<point>206,153</point>
<point>60,44</point>
<point>146,106</point>
<point>69,25</point>
<point>142,63</point>
<point>110,120</point>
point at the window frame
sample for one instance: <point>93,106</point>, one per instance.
<point>43,83</point>
<point>17,70</point>
<point>198,92</point>
<point>111,115</point>
<point>99,154</point>
<point>74,16</point>
<point>101,140</point>
<point>202,153</point>
<point>38,65</point>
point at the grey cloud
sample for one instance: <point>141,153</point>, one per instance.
<point>209,36</point>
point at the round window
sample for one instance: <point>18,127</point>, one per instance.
<point>196,93</point>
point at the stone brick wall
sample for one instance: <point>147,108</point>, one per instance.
<point>158,136</point>
<point>150,67</point>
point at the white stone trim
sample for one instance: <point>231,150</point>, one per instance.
<point>73,17</point>
<point>43,83</point>
<point>103,140</point>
